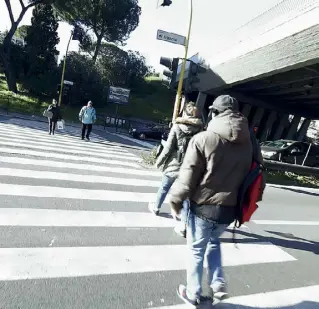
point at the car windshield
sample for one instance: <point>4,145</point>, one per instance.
<point>279,144</point>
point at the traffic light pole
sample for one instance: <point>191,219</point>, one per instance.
<point>63,70</point>
<point>178,99</point>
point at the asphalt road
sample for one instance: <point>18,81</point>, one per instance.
<point>75,231</point>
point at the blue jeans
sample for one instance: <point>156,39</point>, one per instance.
<point>162,192</point>
<point>203,236</point>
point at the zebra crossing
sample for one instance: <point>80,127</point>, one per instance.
<point>75,232</point>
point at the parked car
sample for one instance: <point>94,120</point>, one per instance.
<point>144,132</point>
<point>293,152</point>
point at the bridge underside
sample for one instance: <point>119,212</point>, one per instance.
<point>277,85</point>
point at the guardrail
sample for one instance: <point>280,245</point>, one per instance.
<point>293,168</point>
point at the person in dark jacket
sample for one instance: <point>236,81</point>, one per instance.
<point>169,161</point>
<point>215,165</point>
<point>56,116</point>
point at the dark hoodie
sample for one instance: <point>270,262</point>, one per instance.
<point>215,165</point>
<point>168,161</point>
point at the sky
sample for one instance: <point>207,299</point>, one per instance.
<point>213,22</point>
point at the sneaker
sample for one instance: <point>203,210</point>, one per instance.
<point>87,138</point>
<point>182,294</point>
<point>180,229</point>
<point>220,294</point>
<point>153,209</point>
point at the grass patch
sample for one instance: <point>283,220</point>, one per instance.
<point>291,179</point>
<point>149,158</point>
<point>152,102</point>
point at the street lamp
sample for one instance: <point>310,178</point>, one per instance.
<point>76,36</point>
<point>181,78</point>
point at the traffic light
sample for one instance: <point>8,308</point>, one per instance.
<point>192,77</point>
<point>171,73</point>
<point>77,34</point>
<point>166,3</point>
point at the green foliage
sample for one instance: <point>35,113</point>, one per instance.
<point>121,68</point>
<point>111,20</point>
<point>22,32</point>
<point>290,179</point>
<point>42,39</point>
<point>89,83</point>
<point>149,158</point>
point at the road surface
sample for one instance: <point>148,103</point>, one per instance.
<point>75,232</point>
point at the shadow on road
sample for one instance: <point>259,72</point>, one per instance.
<point>291,243</point>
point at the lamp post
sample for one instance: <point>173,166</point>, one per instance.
<point>76,35</point>
<point>63,70</point>
<point>178,99</point>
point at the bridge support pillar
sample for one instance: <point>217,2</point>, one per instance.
<point>281,126</point>
<point>258,116</point>
<point>246,110</point>
<point>266,131</point>
<point>293,127</point>
<point>303,129</point>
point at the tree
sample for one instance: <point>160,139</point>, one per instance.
<point>120,67</point>
<point>22,32</point>
<point>5,50</point>
<point>88,80</point>
<point>41,41</point>
<point>111,20</point>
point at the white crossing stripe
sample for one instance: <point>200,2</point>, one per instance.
<point>83,218</point>
<point>77,177</point>
<point>66,157</point>
<point>33,263</point>
<point>295,298</point>
<point>72,193</point>
<point>281,222</point>
<point>85,167</point>
<point>62,141</point>
<point>41,133</point>
<point>75,148</point>
<point>87,153</point>
<point>72,218</point>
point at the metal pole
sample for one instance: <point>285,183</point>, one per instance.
<point>116,117</point>
<point>63,70</point>
<point>181,78</point>
<point>304,160</point>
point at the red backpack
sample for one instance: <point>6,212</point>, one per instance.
<point>251,190</point>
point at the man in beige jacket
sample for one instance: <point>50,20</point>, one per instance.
<point>215,165</point>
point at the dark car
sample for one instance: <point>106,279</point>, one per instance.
<point>293,152</point>
<point>144,132</point>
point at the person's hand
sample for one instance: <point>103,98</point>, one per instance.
<point>176,209</point>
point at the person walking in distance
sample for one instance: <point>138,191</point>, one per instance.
<point>172,155</point>
<point>87,116</point>
<point>215,165</point>
<point>56,116</point>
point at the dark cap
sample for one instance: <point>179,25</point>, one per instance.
<point>224,102</point>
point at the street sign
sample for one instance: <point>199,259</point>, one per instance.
<point>171,37</point>
<point>67,82</point>
<point>118,95</point>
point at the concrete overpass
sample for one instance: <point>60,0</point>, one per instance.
<point>272,68</point>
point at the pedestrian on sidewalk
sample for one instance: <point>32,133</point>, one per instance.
<point>215,165</point>
<point>56,116</point>
<point>87,116</point>
<point>172,155</point>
